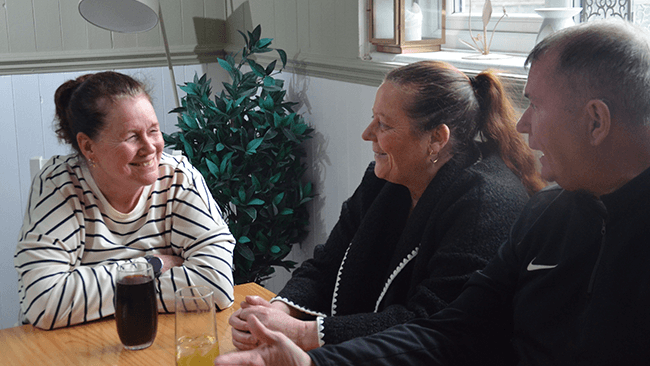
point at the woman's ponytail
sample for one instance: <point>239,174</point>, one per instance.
<point>497,124</point>
<point>441,94</point>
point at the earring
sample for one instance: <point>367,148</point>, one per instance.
<point>92,163</point>
<point>434,160</point>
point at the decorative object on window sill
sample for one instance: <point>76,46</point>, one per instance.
<point>637,12</point>
<point>480,42</point>
<point>406,26</point>
<point>247,142</point>
<point>555,19</point>
<point>599,9</point>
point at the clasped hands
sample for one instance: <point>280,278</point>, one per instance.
<point>269,336</point>
<point>275,317</point>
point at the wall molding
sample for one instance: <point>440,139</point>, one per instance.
<point>64,61</point>
<point>356,71</point>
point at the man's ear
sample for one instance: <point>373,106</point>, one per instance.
<point>439,137</point>
<point>600,121</point>
<point>85,145</point>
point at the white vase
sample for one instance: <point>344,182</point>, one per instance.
<point>555,19</point>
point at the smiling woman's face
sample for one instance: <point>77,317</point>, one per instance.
<point>401,155</point>
<point>127,150</point>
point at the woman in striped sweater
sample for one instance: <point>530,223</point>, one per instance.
<point>118,198</point>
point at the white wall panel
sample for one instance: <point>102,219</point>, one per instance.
<point>4,37</point>
<point>95,38</point>
<point>303,26</point>
<point>47,25</point>
<point>150,38</point>
<point>74,29</point>
<point>188,74</point>
<point>238,13</point>
<point>10,214</point>
<point>259,13</point>
<point>48,83</point>
<point>169,120</point>
<point>123,40</point>
<point>171,11</point>
<point>29,132</point>
<point>285,14</point>
<point>192,9</point>
<point>20,23</point>
<point>215,12</point>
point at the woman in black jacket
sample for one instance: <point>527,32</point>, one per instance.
<point>450,176</point>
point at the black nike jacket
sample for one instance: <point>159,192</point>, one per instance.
<point>571,286</point>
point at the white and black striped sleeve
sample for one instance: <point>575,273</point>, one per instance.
<point>200,235</point>
<point>55,290</point>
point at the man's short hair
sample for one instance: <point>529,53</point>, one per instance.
<point>604,59</point>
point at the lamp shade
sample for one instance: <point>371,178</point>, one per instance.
<point>124,16</point>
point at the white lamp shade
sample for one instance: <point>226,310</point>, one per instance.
<point>124,16</point>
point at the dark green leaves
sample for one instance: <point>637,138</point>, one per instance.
<point>252,146</point>
<point>257,69</point>
<point>283,57</point>
<point>247,143</point>
<point>225,65</point>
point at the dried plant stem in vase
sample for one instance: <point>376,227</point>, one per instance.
<point>480,41</point>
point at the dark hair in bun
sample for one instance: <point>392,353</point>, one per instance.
<point>82,103</point>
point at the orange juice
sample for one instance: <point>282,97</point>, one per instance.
<point>197,351</point>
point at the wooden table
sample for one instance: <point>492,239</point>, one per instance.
<point>97,343</point>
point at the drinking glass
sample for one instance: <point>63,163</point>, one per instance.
<point>196,328</point>
<point>136,307</point>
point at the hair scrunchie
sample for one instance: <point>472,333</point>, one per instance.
<point>475,82</point>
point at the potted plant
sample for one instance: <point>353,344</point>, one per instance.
<point>247,143</point>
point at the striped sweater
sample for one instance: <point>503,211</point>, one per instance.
<point>72,241</point>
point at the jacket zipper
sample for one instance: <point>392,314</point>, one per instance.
<point>600,255</point>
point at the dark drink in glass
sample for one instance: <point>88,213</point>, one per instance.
<point>136,307</point>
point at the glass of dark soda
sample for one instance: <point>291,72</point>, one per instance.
<point>136,307</point>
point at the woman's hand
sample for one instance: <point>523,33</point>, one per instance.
<point>302,333</point>
<point>170,261</point>
<point>275,350</point>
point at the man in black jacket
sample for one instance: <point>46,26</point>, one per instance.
<point>571,285</point>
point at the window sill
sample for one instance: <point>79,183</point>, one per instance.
<point>511,65</point>
<point>372,70</point>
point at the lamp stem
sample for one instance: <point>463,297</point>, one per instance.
<point>169,58</point>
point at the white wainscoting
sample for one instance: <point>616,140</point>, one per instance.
<point>337,157</point>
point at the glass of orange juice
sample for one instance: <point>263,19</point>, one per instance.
<point>196,328</point>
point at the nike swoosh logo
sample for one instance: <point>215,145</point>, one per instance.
<point>536,267</point>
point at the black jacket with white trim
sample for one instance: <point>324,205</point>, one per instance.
<point>381,267</point>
